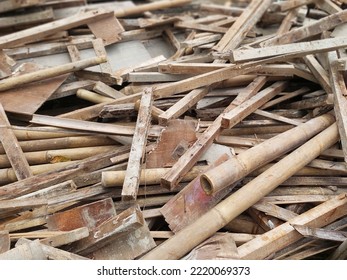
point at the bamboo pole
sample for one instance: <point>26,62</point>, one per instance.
<point>60,155</point>
<point>63,143</point>
<point>148,176</point>
<point>43,74</point>
<point>239,166</point>
<point>204,227</point>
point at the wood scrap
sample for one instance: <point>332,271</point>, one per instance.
<point>89,169</point>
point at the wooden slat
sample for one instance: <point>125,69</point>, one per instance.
<point>138,147</point>
<point>39,32</point>
<point>12,148</point>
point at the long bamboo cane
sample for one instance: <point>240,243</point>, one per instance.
<point>238,167</point>
<point>204,227</point>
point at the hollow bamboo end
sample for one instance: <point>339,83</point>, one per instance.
<point>206,184</point>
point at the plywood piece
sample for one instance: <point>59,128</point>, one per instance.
<point>108,29</point>
<point>176,134</point>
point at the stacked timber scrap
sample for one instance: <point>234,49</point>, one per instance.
<point>173,129</point>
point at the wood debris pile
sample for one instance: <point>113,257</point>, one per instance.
<point>173,129</point>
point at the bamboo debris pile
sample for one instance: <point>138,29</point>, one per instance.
<point>173,129</point>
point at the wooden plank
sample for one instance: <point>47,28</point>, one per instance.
<point>39,32</point>
<point>33,18</point>
<point>89,215</point>
<point>64,238</point>
<point>318,233</point>
<point>99,49</point>
<point>231,118</point>
<point>183,105</point>
<point>319,72</point>
<point>340,101</point>
<point>284,6</point>
<point>139,9</point>
<point>108,231</point>
<point>243,24</point>
<point>286,234</point>
<point>10,5</point>
<point>12,148</point>
<point>292,50</point>
<point>138,147</point>
<point>306,31</point>
<point>107,91</point>
<point>191,156</point>
<point>82,125</point>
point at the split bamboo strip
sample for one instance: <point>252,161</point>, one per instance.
<point>239,166</point>
<point>39,75</point>
<point>204,227</point>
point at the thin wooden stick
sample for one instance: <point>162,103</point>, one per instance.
<point>138,147</point>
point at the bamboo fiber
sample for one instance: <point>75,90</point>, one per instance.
<point>204,227</point>
<point>238,167</point>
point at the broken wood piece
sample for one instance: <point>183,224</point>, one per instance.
<point>39,75</point>
<point>109,35</point>
<point>235,204</point>
<point>332,235</point>
<point>243,24</point>
<point>340,253</point>
<point>138,147</point>
<point>12,148</point>
<point>27,251</point>
<point>181,106</point>
<point>10,5</point>
<point>174,140</point>
<point>220,246</point>
<point>284,6</point>
<point>191,202</point>
<point>286,234</point>
<point>340,101</point>
<point>107,91</point>
<point>306,31</point>
<point>5,243</point>
<point>105,128</point>
<point>108,231</point>
<point>37,33</point>
<point>192,155</point>
<point>289,50</point>
<point>65,238</point>
<point>89,215</point>
<point>246,108</point>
